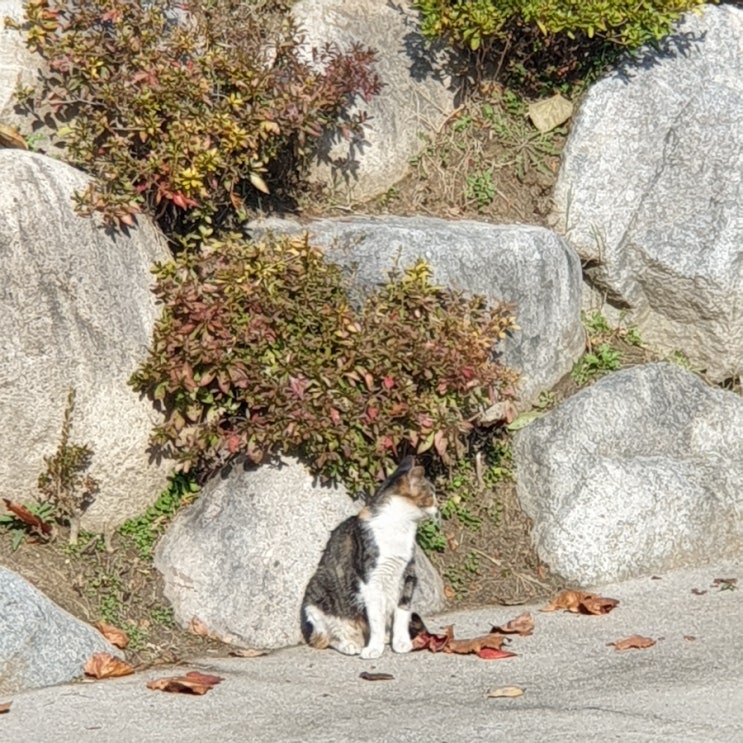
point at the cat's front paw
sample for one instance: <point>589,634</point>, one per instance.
<point>402,644</point>
<point>370,652</point>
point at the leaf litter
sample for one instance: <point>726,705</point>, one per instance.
<point>105,665</point>
<point>193,682</point>
<point>580,602</point>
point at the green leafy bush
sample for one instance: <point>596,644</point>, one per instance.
<point>188,110</point>
<point>260,348</point>
<point>545,42</point>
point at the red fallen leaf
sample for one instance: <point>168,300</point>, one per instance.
<point>27,517</point>
<point>388,382</point>
<point>113,634</point>
<point>104,666</point>
<point>5,707</point>
<point>429,641</point>
<point>580,602</point>
<point>192,683</point>
<point>634,642</point>
<point>494,654</point>
<point>522,625</point>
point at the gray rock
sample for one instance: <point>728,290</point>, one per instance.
<point>77,311</point>
<point>650,191</point>
<point>40,644</point>
<point>239,559</point>
<point>640,473</point>
<point>417,97</point>
<point>528,266</point>
<point>17,63</point>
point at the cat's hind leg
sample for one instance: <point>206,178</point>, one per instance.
<point>344,635</point>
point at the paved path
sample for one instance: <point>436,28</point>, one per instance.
<point>577,688</point>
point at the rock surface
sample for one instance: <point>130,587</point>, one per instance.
<point>416,98</point>
<point>650,190</point>
<point>240,558</point>
<point>640,473</point>
<point>530,267</point>
<point>77,311</point>
<point>40,644</point>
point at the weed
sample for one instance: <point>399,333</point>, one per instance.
<point>480,188</point>
<point>145,530</point>
<point>591,364</point>
<point>64,484</point>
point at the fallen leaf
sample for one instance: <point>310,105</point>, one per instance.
<point>114,635</point>
<point>429,641</point>
<point>247,652</point>
<point>725,584</point>
<point>494,654</point>
<point>368,676</point>
<point>505,692</point>
<point>597,605</point>
<point>522,625</point>
<point>634,642</point>
<point>27,517</point>
<point>690,638</point>
<point>487,646</point>
<point>580,602</point>
<point>105,665</point>
<point>482,646</point>
<point>193,682</point>
<point>197,627</point>
<point>698,591</point>
<point>5,707</point>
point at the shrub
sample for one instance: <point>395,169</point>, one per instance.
<point>260,348</point>
<point>188,110</point>
<point>538,43</point>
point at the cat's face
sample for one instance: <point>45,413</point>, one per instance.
<point>412,488</point>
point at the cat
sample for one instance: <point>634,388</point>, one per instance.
<point>365,580</point>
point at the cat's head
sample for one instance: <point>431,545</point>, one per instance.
<point>409,484</point>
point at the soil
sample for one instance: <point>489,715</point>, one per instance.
<point>485,163</point>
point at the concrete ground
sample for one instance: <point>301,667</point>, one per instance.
<point>688,687</point>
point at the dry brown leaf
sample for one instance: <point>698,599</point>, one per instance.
<point>22,513</point>
<point>193,682</point>
<point>580,602</point>
<point>114,635</point>
<point>369,676</point>
<point>634,642</point>
<point>197,627</point>
<point>5,707</point>
<point>247,652</point>
<point>690,638</point>
<point>105,665</point>
<point>597,604</point>
<point>505,692</point>
<point>522,625</point>
<point>698,591</point>
<point>11,137</point>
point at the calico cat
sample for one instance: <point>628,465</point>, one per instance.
<point>365,580</point>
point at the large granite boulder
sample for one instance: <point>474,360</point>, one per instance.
<point>40,644</point>
<point>650,190</point>
<point>528,266</point>
<point>640,473</point>
<point>240,558</point>
<point>77,312</point>
<point>417,96</point>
